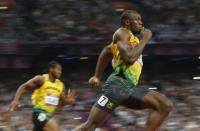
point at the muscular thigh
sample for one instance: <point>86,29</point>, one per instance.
<point>51,125</point>
<point>123,92</point>
<point>39,120</point>
<point>135,99</point>
<point>153,100</point>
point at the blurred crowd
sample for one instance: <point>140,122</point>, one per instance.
<point>96,20</point>
<point>173,20</point>
<point>182,90</point>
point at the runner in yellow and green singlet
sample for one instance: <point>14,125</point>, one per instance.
<point>131,72</point>
<point>121,88</point>
<point>47,96</point>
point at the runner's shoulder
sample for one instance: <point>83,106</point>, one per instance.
<point>120,33</point>
<point>39,79</point>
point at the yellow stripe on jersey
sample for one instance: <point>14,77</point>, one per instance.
<point>131,72</point>
<point>47,96</point>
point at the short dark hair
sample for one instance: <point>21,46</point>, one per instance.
<point>126,15</point>
<point>52,64</point>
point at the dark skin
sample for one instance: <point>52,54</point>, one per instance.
<point>127,52</point>
<point>155,101</point>
<point>35,83</point>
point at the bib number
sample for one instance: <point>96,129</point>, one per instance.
<point>103,100</point>
<point>51,100</point>
<point>42,117</point>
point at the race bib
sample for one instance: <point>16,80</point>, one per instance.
<point>51,100</point>
<point>103,100</point>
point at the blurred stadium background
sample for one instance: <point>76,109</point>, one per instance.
<point>33,32</point>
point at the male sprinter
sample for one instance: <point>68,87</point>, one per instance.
<point>121,86</point>
<point>48,94</point>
